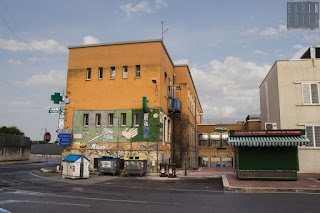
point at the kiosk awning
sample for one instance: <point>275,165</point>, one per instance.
<point>268,141</point>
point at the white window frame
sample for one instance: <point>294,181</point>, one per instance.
<point>138,71</point>
<point>85,121</point>
<point>100,72</point>
<point>123,119</point>
<point>110,119</point>
<point>314,137</point>
<point>136,119</point>
<point>98,119</point>
<point>88,76</point>
<point>112,72</point>
<point>307,94</point>
<point>125,72</point>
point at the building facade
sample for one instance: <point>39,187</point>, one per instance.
<point>289,99</point>
<point>127,99</point>
<point>214,149</point>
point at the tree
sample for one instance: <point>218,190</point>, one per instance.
<point>11,130</point>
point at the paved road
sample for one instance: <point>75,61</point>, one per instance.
<point>22,189</point>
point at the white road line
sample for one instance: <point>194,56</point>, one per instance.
<point>42,202</point>
<point>17,191</point>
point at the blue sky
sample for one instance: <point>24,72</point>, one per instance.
<point>229,46</point>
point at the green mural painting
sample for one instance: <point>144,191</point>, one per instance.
<point>126,126</point>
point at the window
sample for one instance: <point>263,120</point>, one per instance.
<point>310,93</point>
<point>203,139</point>
<point>125,72</point>
<point>313,134</point>
<point>215,140</point>
<point>110,119</point>
<point>224,137</point>
<point>137,71</point>
<point>123,119</point>
<point>112,72</point>
<point>88,74</point>
<point>85,119</point>
<point>136,119</point>
<point>98,119</point>
<point>100,72</point>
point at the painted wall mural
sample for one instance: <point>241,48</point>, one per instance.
<point>149,128</point>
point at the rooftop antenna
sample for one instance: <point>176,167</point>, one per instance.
<point>162,30</point>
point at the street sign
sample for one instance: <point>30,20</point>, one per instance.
<point>64,136</point>
<point>54,110</point>
<point>47,137</point>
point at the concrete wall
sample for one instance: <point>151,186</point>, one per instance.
<point>309,160</point>
<point>14,147</point>
<point>46,149</point>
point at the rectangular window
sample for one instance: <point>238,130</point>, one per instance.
<point>100,72</point>
<point>123,119</point>
<point>137,71</point>
<point>310,93</point>
<point>136,119</point>
<point>98,119</point>
<point>125,72</point>
<point>112,72</point>
<point>313,134</point>
<point>110,119</point>
<point>88,77</point>
<point>85,119</point>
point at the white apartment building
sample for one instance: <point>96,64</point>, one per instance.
<point>289,99</point>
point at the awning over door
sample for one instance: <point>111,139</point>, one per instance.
<point>268,141</point>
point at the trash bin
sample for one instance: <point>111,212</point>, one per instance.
<point>109,165</point>
<point>75,166</point>
<point>172,170</point>
<point>135,166</point>
<point>163,169</point>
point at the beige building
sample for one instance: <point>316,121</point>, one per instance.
<point>289,99</point>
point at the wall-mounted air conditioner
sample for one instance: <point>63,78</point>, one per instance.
<point>270,126</point>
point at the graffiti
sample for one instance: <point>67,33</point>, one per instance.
<point>145,146</point>
<point>106,133</point>
<point>131,133</point>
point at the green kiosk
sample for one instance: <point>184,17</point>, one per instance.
<point>267,154</point>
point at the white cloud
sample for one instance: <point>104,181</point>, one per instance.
<point>35,59</point>
<point>142,7</point>
<point>274,32</point>
<point>90,40</point>
<point>230,87</point>
<point>314,38</point>
<point>259,52</point>
<point>251,31</point>
<point>12,61</point>
<point>52,78</point>
<point>47,46</point>
<point>181,61</point>
<point>298,46</point>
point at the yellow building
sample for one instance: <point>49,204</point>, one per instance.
<point>129,99</point>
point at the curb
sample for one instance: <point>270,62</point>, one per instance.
<point>227,187</point>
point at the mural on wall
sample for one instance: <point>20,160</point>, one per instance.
<point>148,129</point>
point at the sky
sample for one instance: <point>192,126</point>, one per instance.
<point>229,46</point>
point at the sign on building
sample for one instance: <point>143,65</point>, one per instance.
<point>302,15</point>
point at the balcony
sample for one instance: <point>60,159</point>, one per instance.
<point>174,105</point>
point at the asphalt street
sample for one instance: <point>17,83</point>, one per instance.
<point>24,189</point>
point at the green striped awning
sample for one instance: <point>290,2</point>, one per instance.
<point>269,141</point>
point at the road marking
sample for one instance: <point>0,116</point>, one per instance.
<point>42,202</point>
<point>17,191</point>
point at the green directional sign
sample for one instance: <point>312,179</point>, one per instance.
<point>54,110</point>
<point>56,98</point>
